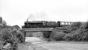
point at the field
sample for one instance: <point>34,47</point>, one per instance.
<point>55,46</point>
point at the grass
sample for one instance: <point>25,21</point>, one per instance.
<point>61,45</point>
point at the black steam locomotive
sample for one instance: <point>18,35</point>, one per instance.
<point>41,24</point>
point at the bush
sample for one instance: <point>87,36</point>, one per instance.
<point>68,37</point>
<point>56,35</point>
<point>9,33</point>
<point>80,34</point>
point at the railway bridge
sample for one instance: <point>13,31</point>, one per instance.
<point>38,32</point>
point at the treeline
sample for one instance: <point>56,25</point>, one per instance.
<point>78,31</point>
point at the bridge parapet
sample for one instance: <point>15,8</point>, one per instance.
<point>37,29</point>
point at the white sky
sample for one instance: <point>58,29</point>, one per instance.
<point>17,11</point>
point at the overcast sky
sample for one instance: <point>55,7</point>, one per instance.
<point>17,11</point>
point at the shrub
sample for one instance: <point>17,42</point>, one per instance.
<point>68,37</point>
<point>77,35</point>
<point>56,35</point>
<point>11,34</point>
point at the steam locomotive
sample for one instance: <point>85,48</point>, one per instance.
<point>41,24</point>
